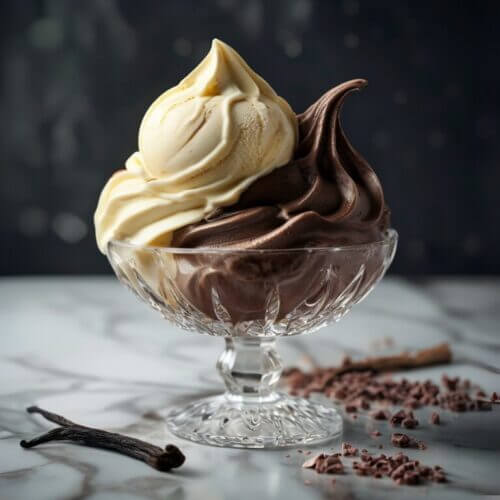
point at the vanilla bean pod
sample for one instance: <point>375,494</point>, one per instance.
<point>158,458</point>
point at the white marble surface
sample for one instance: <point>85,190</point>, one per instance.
<point>86,348</point>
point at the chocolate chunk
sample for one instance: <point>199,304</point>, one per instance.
<point>380,415</point>
<point>450,383</point>
<point>335,469</point>
<point>325,464</point>
<point>398,417</point>
<point>435,418</point>
<point>410,423</point>
<point>400,440</point>
<point>348,450</point>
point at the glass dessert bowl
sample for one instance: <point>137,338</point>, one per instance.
<point>251,298</point>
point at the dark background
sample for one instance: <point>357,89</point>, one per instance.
<point>77,76</point>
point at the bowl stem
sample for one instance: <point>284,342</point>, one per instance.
<point>251,369</point>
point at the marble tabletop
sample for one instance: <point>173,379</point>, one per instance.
<point>86,348</point>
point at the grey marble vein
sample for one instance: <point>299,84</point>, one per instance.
<point>86,348</point>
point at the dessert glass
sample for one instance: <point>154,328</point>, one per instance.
<point>251,298</point>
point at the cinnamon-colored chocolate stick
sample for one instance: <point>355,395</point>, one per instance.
<point>439,354</point>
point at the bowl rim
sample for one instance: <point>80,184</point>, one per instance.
<point>390,237</point>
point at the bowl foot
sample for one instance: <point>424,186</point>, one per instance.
<point>239,423</point>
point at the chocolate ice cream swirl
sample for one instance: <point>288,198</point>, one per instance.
<point>327,195</point>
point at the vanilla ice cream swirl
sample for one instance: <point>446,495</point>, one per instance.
<point>201,144</point>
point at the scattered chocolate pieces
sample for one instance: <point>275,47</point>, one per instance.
<point>359,386</point>
<point>399,467</point>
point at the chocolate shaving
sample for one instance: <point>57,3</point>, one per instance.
<point>156,457</point>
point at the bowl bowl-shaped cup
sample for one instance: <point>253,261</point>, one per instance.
<point>251,297</point>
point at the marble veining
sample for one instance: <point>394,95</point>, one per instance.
<point>86,348</point>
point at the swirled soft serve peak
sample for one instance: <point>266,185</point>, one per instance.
<point>223,161</point>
